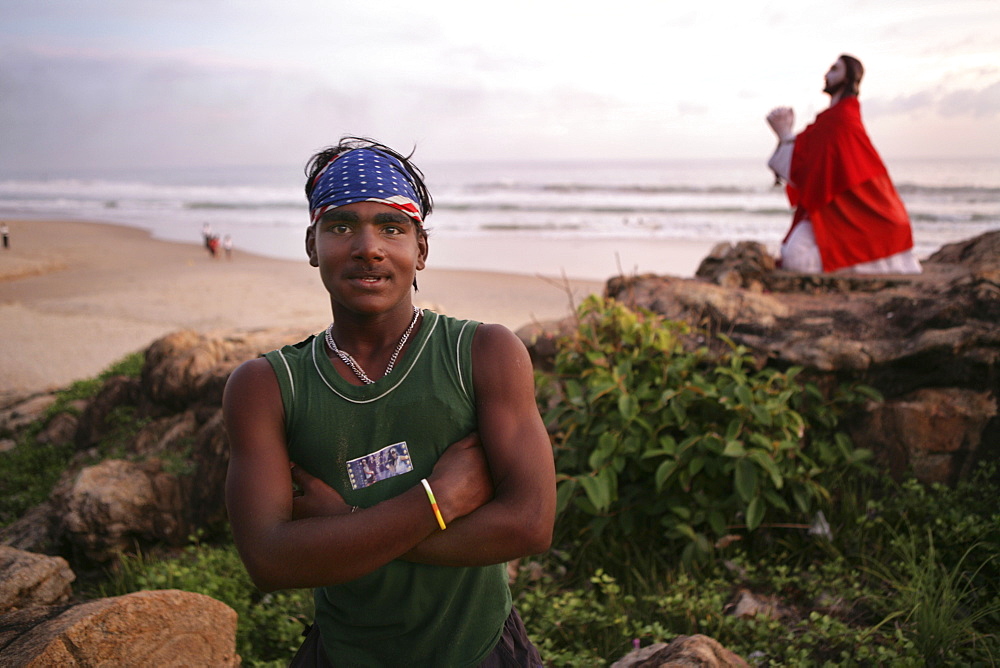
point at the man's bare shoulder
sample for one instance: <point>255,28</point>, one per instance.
<point>500,360</point>
<point>252,383</point>
<point>254,371</point>
<point>494,338</point>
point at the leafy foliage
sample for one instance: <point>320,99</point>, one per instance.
<point>599,622</point>
<point>684,447</point>
<point>879,593</point>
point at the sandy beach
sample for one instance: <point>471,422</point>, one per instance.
<point>75,297</point>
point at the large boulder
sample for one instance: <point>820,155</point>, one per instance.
<point>28,579</point>
<point>931,431</point>
<point>185,368</point>
<point>109,507</point>
<point>148,628</point>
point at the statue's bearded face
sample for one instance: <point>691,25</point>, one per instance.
<point>835,77</point>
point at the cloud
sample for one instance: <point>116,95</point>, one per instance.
<point>979,103</point>
<point>685,108</point>
<point>982,102</point>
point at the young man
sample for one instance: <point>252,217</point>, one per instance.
<point>397,460</point>
<point>848,216</point>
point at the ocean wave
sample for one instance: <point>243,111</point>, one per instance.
<point>597,188</point>
<point>244,206</point>
<point>632,210</point>
<point>974,194</point>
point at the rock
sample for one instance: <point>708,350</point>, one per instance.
<point>746,603</point>
<point>697,651</point>
<point>29,579</point>
<point>204,489</point>
<point>170,434</point>
<point>186,367</point>
<point>109,507</point>
<point>21,413</point>
<point>699,303</point>
<point>97,420</point>
<point>982,252</point>
<point>148,628</point>
<point>179,365</point>
<point>745,265</point>
<point>32,531</point>
<point>60,429</point>
<point>541,340</point>
<point>930,430</point>
<point>173,482</point>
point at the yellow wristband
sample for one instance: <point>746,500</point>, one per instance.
<point>434,503</point>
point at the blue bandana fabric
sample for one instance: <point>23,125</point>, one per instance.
<point>364,175</point>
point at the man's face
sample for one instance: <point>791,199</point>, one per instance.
<point>368,254</point>
<point>835,77</point>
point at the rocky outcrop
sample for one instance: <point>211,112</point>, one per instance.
<point>929,343</point>
<point>28,579</point>
<point>937,433</point>
<point>165,429</point>
<point>697,651</point>
<point>109,507</point>
<point>149,628</point>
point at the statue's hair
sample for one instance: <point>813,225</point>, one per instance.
<point>852,78</point>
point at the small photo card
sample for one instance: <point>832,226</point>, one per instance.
<point>392,460</point>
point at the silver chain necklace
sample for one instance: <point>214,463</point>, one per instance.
<point>354,366</point>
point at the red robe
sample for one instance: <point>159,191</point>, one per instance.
<point>844,190</point>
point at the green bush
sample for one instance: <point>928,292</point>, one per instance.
<point>880,593</point>
<point>685,447</point>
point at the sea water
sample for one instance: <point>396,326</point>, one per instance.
<point>264,209</point>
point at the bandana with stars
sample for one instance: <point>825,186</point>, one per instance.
<point>364,175</point>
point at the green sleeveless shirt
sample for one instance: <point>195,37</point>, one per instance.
<point>371,443</point>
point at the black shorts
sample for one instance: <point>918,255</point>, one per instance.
<point>513,650</point>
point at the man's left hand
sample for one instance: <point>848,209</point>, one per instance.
<point>314,497</point>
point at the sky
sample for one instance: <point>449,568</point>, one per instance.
<point>184,83</point>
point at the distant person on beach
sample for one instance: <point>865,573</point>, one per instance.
<point>397,460</point>
<point>848,216</point>
<point>211,239</point>
<point>5,233</point>
<point>227,245</point>
<point>213,245</point>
